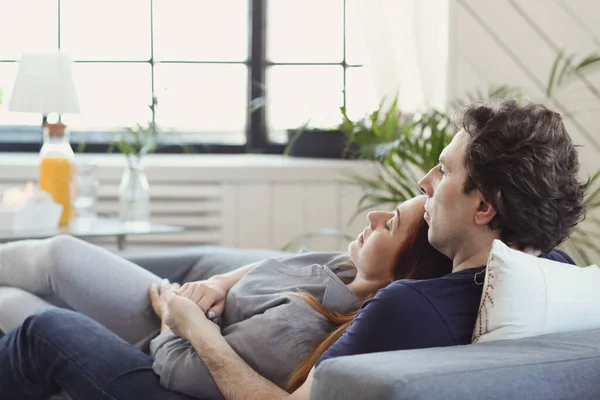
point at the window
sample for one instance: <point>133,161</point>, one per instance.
<point>200,61</point>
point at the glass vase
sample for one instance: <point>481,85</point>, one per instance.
<point>134,194</point>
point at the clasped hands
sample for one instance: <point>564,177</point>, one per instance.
<point>188,308</point>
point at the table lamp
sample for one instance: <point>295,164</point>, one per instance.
<point>44,85</point>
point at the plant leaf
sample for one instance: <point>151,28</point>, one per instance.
<point>550,86</point>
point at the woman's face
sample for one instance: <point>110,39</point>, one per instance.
<point>375,249</point>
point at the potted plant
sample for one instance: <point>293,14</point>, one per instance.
<point>306,141</point>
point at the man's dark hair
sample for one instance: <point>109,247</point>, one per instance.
<point>521,158</point>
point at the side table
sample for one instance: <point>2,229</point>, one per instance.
<point>100,227</point>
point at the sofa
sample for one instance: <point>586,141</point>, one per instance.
<point>557,366</point>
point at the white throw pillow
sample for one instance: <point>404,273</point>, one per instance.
<point>524,296</point>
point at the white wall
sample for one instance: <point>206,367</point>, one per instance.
<point>515,42</point>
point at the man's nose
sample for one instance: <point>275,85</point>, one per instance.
<point>425,184</point>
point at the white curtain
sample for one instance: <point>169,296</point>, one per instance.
<point>406,43</point>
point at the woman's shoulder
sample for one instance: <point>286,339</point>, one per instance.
<point>267,284</point>
<point>328,259</point>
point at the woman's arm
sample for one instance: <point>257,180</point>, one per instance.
<point>210,294</point>
<point>231,278</point>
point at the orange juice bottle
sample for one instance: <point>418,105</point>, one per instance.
<point>56,168</point>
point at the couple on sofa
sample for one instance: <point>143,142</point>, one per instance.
<point>412,279</point>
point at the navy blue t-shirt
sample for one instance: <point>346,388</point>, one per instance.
<point>415,314</point>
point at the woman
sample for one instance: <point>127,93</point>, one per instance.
<point>269,327</point>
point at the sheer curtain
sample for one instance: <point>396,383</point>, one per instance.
<point>406,43</point>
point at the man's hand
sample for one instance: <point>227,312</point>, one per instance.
<point>209,295</point>
<point>184,316</point>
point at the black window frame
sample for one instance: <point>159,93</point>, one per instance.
<point>257,137</point>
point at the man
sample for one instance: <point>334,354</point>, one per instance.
<point>510,173</point>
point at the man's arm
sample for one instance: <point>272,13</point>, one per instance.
<point>236,379</point>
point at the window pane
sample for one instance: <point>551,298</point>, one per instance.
<point>360,92</point>
<point>111,96</point>
<point>305,31</point>
<point>106,30</point>
<point>27,26</point>
<point>301,94</point>
<point>8,73</point>
<point>355,41</point>
<point>209,99</point>
<point>201,30</point>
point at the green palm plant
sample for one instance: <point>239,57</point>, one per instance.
<point>566,69</point>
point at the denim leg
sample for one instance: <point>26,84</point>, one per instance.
<point>61,349</point>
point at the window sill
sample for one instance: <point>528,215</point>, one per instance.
<point>184,167</point>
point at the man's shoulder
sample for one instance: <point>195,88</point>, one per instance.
<point>445,298</point>
<point>558,255</point>
<point>398,298</point>
<point>422,289</point>
<point>407,296</point>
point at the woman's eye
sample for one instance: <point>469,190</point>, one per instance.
<point>387,225</point>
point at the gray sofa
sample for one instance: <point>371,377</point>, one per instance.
<point>561,366</point>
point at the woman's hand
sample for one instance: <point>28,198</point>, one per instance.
<point>184,317</point>
<point>209,295</point>
<point>155,295</point>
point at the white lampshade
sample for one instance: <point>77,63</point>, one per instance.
<point>44,85</point>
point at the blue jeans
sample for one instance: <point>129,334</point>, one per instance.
<point>61,349</point>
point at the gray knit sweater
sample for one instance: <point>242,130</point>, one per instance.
<point>271,331</point>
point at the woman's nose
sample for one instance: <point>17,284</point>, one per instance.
<point>375,217</point>
<point>371,218</point>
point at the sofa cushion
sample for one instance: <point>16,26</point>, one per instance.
<point>550,367</point>
<point>187,264</point>
<point>524,295</point>
<point>219,260</point>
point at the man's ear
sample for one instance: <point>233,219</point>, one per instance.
<point>485,212</point>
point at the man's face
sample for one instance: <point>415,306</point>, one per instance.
<point>448,211</point>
